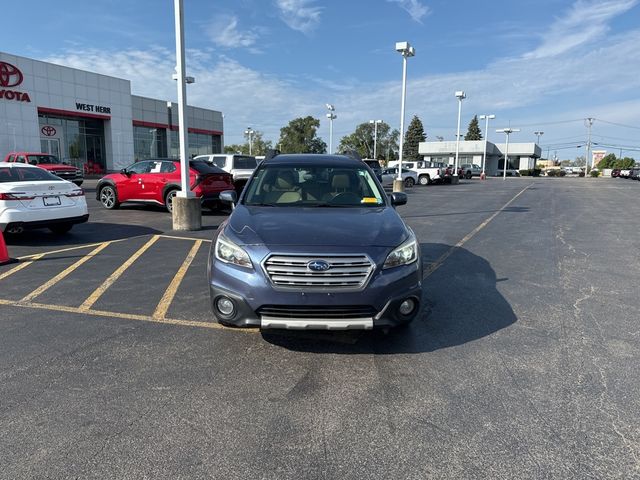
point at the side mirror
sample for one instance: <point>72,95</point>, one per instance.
<point>229,196</point>
<point>126,172</point>
<point>398,198</point>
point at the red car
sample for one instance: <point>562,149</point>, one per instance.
<point>48,162</point>
<point>157,182</point>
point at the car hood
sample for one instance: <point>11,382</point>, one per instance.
<point>345,227</point>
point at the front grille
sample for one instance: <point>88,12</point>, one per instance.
<point>320,311</point>
<point>66,175</point>
<point>345,271</point>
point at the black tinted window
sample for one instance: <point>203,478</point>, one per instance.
<point>22,174</point>
<point>201,166</point>
<point>245,163</point>
<point>47,159</point>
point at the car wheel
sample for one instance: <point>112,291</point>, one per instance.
<point>61,228</point>
<point>424,180</point>
<point>168,200</point>
<point>468,176</point>
<point>109,197</point>
<point>409,182</point>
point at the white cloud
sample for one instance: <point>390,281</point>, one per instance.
<point>414,8</point>
<point>585,22</point>
<point>299,15</point>
<point>224,32</point>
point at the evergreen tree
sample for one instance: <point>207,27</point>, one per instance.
<point>473,132</point>
<point>415,134</point>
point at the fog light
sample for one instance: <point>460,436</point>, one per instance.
<point>225,306</point>
<point>407,306</point>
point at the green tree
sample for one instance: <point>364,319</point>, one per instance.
<point>415,135</point>
<point>473,132</point>
<point>362,141</point>
<point>258,145</point>
<point>300,136</point>
<point>608,161</point>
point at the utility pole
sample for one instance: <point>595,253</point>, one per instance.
<point>588,123</point>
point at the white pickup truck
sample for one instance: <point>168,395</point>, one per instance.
<point>428,172</point>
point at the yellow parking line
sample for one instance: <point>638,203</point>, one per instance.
<point>79,247</point>
<point>21,266</point>
<point>44,287</point>
<point>129,316</point>
<point>170,293</point>
<point>93,298</point>
<point>193,239</point>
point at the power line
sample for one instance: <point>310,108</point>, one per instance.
<point>618,124</point>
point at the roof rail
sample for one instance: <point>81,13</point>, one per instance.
<point>271,153</point>
<point>353,154</point>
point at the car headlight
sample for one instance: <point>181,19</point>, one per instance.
<point>229,252</point>
<point>403,255</point>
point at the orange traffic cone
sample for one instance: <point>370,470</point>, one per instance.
<point>4,254</point>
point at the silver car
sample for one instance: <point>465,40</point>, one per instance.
<point>409,177</point>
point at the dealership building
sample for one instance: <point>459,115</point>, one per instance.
<point>90,120</point>
<point>522,156</point>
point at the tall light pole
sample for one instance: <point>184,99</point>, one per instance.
<point>185,207</point>
<point>588,122</point>
<point>507,131</point>
<point>538,135</point>
<point>249,131</point>
<point>460,96</point>
<point>486,118</point>
<point>406,50</point>
<point>331,116</point>
<point>375,137</point>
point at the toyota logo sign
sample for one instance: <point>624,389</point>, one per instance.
<point>48,131</point>
<point>10,75</point>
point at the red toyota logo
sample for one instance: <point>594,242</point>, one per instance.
<point>48,131</point>
<point>10,76</point>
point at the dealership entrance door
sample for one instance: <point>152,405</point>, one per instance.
<point>50,146</point>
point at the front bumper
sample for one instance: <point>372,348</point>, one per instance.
<point>257,303</point>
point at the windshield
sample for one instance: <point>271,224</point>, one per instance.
<point>25,174</point>
<point>313,186</point>
<point>38,159</point>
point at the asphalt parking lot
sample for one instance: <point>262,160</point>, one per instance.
<point>522,365</point>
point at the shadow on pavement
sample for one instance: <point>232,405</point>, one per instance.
<point>91,232</point>
<point>460,304</point>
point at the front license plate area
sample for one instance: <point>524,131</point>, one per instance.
<point>51,201</point>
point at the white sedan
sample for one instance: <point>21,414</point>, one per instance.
<point>31,197</point>
<point>409,177</point>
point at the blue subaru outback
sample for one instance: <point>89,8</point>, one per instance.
<point>314,242</point>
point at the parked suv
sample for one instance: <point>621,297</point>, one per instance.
<point>50,163</point>
<point>314,243</point>
<point>239,166</point>
<point>158,181</point>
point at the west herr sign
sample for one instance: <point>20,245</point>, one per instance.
<point>11,76</point>
<point>87,107</point>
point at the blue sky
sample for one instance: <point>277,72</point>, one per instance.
<point>537,65</point>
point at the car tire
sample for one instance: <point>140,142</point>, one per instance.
<point>409,182</point>
<point>109,197</point>
<point>168,199</point>
<point>61,228</point>
<point>468,176</point>
<point>424,180</point>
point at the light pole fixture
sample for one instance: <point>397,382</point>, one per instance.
<point>406,50</point>
<point>486,118</point>
<point>507,132</point>
<point>538,135</point>
<point>249,131</point>
<point>375,137</point>
<point>460,95</point>
<point>331,116</point>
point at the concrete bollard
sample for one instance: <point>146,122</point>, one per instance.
<point>398,185</point>
<point>187,214</point>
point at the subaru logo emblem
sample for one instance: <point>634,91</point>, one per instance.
<point>318,266</point>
